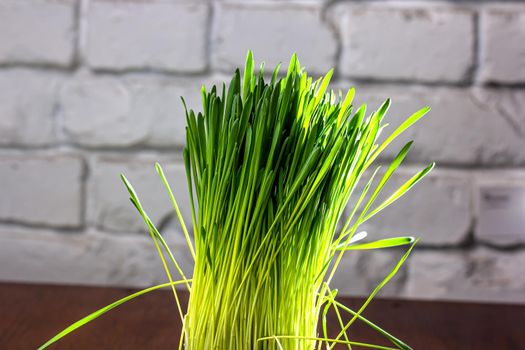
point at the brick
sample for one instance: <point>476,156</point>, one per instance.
<point>96,112</point>
<point>464,127</point>
<point>389,42</point>
<point>147,35</point>
<point>502,49</point>
<point>159,102</point>
<point>27,108</point>
<point>42,189</point>
<point>509,103</point>
<point>504,181</point>
<point>28,39</point>
<point>437,209</point>
<point>91,258</point>
<point>481,274</point>
<point>108,112</point>
<point>109,207</point>
<point>360,272</point>
<point>273,32</point>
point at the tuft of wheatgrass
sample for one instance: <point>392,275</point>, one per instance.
<point>272,165</point>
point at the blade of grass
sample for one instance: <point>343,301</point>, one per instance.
<point>175,205</point>
<point>380,244</point>
<point>405,125</point>
<point>400,191</point>
<point>105,309</point>
<point>378,288</point>
<point>333,341</point>
<point>390,337</point>
<point>155,237</point>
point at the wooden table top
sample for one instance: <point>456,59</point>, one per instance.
<point>31,314</point>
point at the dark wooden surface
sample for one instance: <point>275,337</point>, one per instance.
<point>30,314</point>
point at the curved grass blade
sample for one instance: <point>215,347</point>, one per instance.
<point>390,337</point>
<point>105,309</point>
<point>405,125</point>
<point>156,237</point>
<point>328,340</point>
<point>175,205</point>
<point>386,176</point>
<point>378,288</point>
<point>331,299</point>
<point>400,191</point>
<point>278,343</point>
<point>380,244</point>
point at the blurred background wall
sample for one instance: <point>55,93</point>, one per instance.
<point>89,89</point>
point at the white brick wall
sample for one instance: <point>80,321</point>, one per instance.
<point>110,112</point>
<point>423,43</point>
<point>27,107</point>
<point>97,112</point>
<point>51,257</point>
<point>43,189</point>
<point>91,88</point>
<point>480,274</point>
<point>502,48</point>
<point>37,32</point>
<point>153,35</point>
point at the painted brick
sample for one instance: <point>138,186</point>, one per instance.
<point>156,35</point>
<point>508,181</point>
<point>96,112</point>
<point>481,274</point>
<point>27,108</point>
<point>389,42</point>
<point>37,32</point>
<point>41,189</point>
<point>159,102</point>
<point>502,48</point>
<point>108,112</point>
<point>273,32</point>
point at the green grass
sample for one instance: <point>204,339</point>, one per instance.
<point>271,166</point>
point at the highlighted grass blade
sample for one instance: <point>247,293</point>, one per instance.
<point>346,104</point>
<point>400,191</point>
<point>380,244</point>
<point>405,125</point>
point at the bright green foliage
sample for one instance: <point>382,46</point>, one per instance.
<point>271,166</point>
